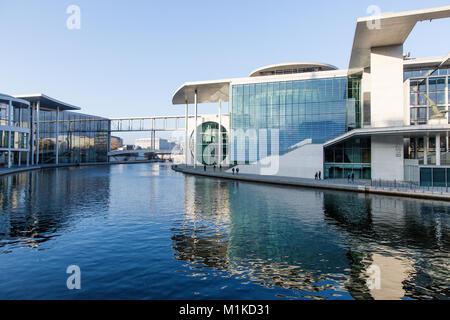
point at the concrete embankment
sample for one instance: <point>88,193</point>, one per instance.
<point>4,172</point>
<point>421,193</point>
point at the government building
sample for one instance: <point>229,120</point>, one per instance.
<point>384,117</point>
<point>37,129</point>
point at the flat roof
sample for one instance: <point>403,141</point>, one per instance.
<point>291,66</point>
<point>207,91</point>
<point>47,102</point>
<point>418,130</point>
<point>5,97</point>
<point>393,29</point>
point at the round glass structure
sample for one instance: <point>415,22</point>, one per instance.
<point>207,151</point>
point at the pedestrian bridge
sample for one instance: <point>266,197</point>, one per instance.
<point>157,123</point>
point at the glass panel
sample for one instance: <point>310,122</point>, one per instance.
<point>439,177</point>
<point>425,177</point>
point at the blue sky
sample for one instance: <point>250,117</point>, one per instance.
<point>130,56</point>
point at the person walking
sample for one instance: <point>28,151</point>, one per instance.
<point>204,168</point>
<point>220,167</point>
<point>232,170</point>
<point>320,175</point>
<point>214,168</point>
<point>353,177</point>
<point>348,178</point>
<point>237,170</point>
<point>315,176</point>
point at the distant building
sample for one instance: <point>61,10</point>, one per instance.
<point>116,143</point>
<point>159,144</point>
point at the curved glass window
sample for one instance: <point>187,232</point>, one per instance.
<point>207,151</point>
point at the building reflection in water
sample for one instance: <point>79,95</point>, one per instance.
<point>316,244</point>
<point>35,206</point>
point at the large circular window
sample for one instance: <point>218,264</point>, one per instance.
<point>207,151</point>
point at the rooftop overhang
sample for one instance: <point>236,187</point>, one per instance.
<point>207,92</point>
<point>405,131</point>
<point>387,29</point>
<point>47,102</point>
<point>292,65</point>
<point>6,98</point>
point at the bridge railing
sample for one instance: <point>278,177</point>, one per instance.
<point>160,123</point>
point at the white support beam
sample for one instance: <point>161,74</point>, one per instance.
<point>438,149</point>
<point>9,132</point>
<point>195,128</point>
<point>38,106</point>
<point>57,137</point>
<point>220,134</point>
<point>186,132</point>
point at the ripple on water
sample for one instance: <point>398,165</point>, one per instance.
<point>146,232</point>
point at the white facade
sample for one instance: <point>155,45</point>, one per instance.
<point>386,111</point>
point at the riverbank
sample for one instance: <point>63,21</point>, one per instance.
<point>8,171</point>
<point>340,185</point>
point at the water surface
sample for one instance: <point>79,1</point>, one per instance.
<point>146,232</point>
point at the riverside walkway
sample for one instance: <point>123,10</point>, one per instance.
<point>13,170</point>
<point>361,186</point>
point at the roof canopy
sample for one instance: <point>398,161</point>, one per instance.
<point>288,68</point>
<point>207,91</point>
<point>16,102</point>
<point>393,29</point>
<point>47,102</point>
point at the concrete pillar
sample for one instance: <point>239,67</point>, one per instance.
<point>28,136</point>
<point>387,106</point>
<point>195,129</point>
<point>32,135</point>
<point>38,105</point>
<point>186,137</point>
<point>438,149</point>
<point>57,137</point>
<point>108,145</point>
<point>425,150</point>
<point>220,133</point>
<point>9,133</point>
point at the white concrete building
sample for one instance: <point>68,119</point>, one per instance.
<point>385,117</point>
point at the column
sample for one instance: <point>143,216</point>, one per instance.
<point>28,137</point>
<point>195,129</point>
<point>438,149</point>
<point>31,137</point>
<point>108,146</point>
<point>425,150</point>
<point>186,131</point>
<point>220,133</point>
<point>57,137</point>
<point>9,133</point>
<point>38,106</point>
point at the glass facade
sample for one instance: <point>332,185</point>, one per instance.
<point>207,151</point>
<point>434,177</point>
<point>351,156</point>
<point>81,139</point>
<point>14,134</point>
<point>426,82</point>
<point>316,109</point>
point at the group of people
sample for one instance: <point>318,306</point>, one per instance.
<point>318,175</point>
<point>214,168</point>
<point>351,176</point>
<point>234,170</point>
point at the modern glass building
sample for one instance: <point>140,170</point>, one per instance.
<point>81,138</point>
<point>385,117</point>
<point>37,129</point>
<point>14,131</point>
